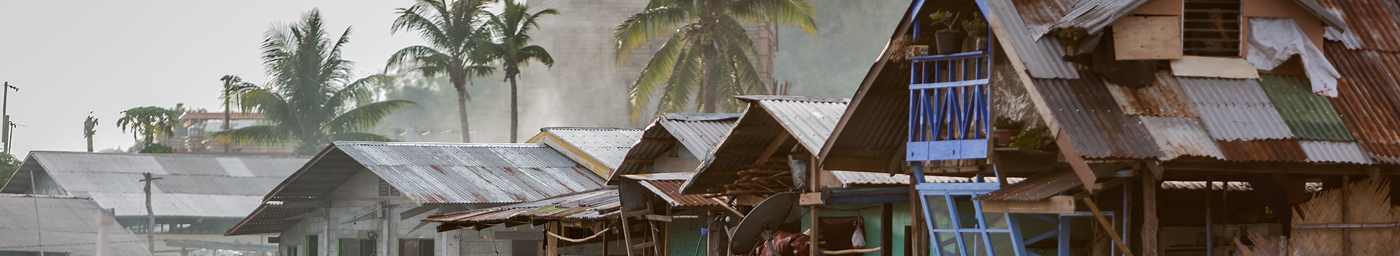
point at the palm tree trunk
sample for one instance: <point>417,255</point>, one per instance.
<point>514,109</point>
<point>462,111</point>
<point>707,81</point>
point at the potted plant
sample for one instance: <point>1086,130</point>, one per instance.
<point>1003,128</point>
<point>976,28</point>
<point>1031,138</point>
<point>948,37</point>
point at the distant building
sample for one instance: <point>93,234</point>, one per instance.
<point>196,199</point>
<point>192,140</point>
<point>58,226</point>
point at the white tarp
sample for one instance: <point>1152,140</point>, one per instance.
<point>1273,40</point>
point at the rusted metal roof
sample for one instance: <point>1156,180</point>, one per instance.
<point>497,173</point>
<point>1234,109</point>
<point>1334,152</point>
<point>606,144</point>
<point>1046,184</point>
<point>1308,115</point>
<point>1040,15</point>
<point>1285,150</point>
<point>586,205</point>
<point>1371,25</point>
<point>67,225</point>
<point>1163,98</point>
<point>850,179</point>
<point>1095,124</point>
<point>670,190</point>
<point>1094,15</point>
<point>1181,136</point>
<point>808,119</point>
<point>1041,57</point>
<point>1366,98</point>
<point>698,133</point>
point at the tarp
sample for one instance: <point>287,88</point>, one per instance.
<point>1273,40</point>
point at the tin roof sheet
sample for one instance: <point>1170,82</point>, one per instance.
<point>1234,109</point>
<point>1371,25</point>
<point>808,119</point>
<point>1308,115</point>
<point>670,190</point>
<point>1040,15</point>
<point>1041,57</point>
<point>585,205</point>
<point>1094,15</point>
<point>1366,98</point>
<point>1092,119</point>
<point>698,133</point>
<point>1334,152</point>
<point>1163,98</point>
<point>1286,150</point>
<point>1181,136</point>
<point>499,173</point>
<point>67,223</point>
<point>607,145</point>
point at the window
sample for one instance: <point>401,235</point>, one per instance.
<point>415,247</point>
<point>291,251</point>
<point>387,190</point>
<point>1211,28</point>
<point>355,247</point>
<point>310,245</point>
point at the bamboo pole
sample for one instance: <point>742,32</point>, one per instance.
<point>1108,227</point>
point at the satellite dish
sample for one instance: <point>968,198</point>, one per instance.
<point>760,221</point>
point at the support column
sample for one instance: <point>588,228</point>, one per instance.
<point>1149,215</point>
<point>1210,223</point>
<point>814,181</point>
<point>887,230</point>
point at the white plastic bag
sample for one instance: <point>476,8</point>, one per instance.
<point>858,237</point>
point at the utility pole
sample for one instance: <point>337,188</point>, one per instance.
<point>5,111</point>
<point>228,85</point>
<point>89,128</point>
<point>150,215</point>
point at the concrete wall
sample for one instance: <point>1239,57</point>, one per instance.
<point>361,190</point>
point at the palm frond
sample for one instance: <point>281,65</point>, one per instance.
<point>257,134</point>
<point>657,71</point>
<point>365,116</point>
<point>799,13</point>
<point>650,24</point>
<point>685,80</point>
<point>536,53</point>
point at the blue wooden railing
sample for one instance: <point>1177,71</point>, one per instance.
<point>948,106</point>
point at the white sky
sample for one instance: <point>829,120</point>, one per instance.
<point>72,57</point>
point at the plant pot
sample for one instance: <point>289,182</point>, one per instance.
<point>980,44</point>
<point>1003,137</point>
<point>949,42</point>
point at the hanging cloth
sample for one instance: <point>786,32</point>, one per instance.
<point>1273,40</point>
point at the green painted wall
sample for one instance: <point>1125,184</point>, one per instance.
<point>685,234</point>
<point>871,212</point>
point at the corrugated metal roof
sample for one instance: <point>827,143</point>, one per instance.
<point>67,223</point>
<point>1286,150</point>
<point>1366,98</point>
<point>1180,136</point>
<point>1308,115</point>
<point>808,119</point>
<point>1162,98</point>
<point>670,190</point>
<point>498,173</point>
<point>1092,119</point>
<point>586,205</point>
<point>1093,15</point>
<point>608,145</point>
<point>698,133</point>
<point>1040,15</point>
<point>1234,109</point>
<point>1041,57</point>
<point>177,205</point>
<point>1371,25</point>
<point>1334,152</point>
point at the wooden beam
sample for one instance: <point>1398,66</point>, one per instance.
<point>1107,227</point>
<point>656,217</point>
<point>1081,168</point>
<point>1149,215</point>
<point>772,147</point>
<point>1054,204</point>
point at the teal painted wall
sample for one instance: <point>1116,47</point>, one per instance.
<point>685,234</point>
<point>871,212</point>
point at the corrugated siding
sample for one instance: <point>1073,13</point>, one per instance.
<point>1308,115</point>
<point>670,190</point>
<point>699,135</point>
<point>1041,57</point>
<point>1366,98</point>
<point>1178,136</point>
<point>1095,124</point>
<point>1371,24</point>
<point>1334,152</point>
<point>1093,15</point>
<point>1163,98</point>
<point>811,122</point>
<point>1263,150</point>
<point>583,205</point>
<point>608,145</point>
<point>68,226</point>
<point>1234,109</point>
<point>178,205</point>
<point>1040,15</point>
<point>497,173</point>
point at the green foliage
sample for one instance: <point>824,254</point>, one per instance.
<point>975,26</point>
<point>835,62</point>
<point>1005,123</point>
<point>8,165</point>
<point>705,50</point>
<point>512,47</point>
<point>453,33</point>
<point>1031,138</point>
<point>157,148</point>
<point>311,99</point>
<point>945,19</point>
<point>148,123</point>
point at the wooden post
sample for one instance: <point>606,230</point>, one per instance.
<point>1103,222</point>
<point>605,241</point>
<point>1149,215</point>
<point>150,215</point>
<point>551,247</point>
<point>917,246</point>
<point>1346,232</point>
<point>886,230</point>
<point>815,181</point>
<point>626,232</point>
<point>1210,220</point>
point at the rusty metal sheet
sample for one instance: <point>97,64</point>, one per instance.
<point>586,205</point>
<point>1094,15</point>
<point>1041,57</point>
<point>849,179</point>
<point>1181,136</point>
<point>1163,98</point>
<point>1093,121</point>
<point>1040,15</point>
<point>1370,25</point>
<point>670,190</point>
<point>1234,109</point>
<point>1366,98</point>
<point>1334,152</point>
<point>1262,150</point>
<point>496,173</point>
<point>1308,115</point>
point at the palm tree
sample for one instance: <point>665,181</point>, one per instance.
<point>512,48</point>
<point>311,97</point>
<point>453,33</point>
<point>234,87</point>
<point>147,123</point>
<point>706,47</point>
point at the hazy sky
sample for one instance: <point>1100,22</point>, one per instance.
<point>72,57</point>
